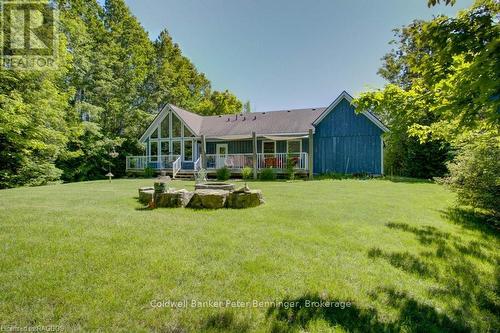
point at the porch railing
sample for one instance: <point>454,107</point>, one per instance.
<point>176,166</point>
<point>197,164</point>
<point>213,161</point>
<point>137,163</point>
<point>239,161</point>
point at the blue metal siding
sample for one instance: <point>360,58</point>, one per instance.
<point>346,142</point>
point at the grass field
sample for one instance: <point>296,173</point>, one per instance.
<point>86,257</point>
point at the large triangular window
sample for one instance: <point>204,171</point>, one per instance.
<point>187,132</point>
<point>165,127</point>
<point>155,134</point>
<point>176,127</point>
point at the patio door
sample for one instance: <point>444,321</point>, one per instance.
<point>221,155</point>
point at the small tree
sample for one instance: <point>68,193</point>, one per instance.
<point>291,163</point>
<point>247,173</point>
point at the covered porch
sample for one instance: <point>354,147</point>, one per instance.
<point>235,153</point>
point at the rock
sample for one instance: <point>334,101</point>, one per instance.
<point>148,188</point>
<point>146,195</point>
<point>173,199</point>
<point>210,199</point>
<point>244,198</point>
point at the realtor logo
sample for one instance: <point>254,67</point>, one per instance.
<point>29,39</point>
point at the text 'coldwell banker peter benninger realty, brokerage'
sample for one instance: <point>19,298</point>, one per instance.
<point>248,304</point>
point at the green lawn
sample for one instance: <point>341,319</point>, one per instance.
<point>85,256</point>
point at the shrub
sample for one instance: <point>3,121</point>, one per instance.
<point>267,174</point>
<point>247,173</point>
<point>149,172</point>
<point>475,174</point>
<point>223,173</point>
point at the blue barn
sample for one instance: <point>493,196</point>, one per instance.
<point>315,141</point>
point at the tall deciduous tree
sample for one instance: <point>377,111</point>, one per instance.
<point>110,82</point>
<point>444,79</point>
<point>33,130</point>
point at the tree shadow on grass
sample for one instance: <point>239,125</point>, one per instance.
<point>471,219</point>
<point>412,316</point>
<point>225,322</point>
<point>403,260</point>
<point>465,275</point>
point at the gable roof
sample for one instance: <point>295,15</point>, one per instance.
<point>191,120</point>
<point>349,98</point>
<point>283,122</point>
<point>298,121</point>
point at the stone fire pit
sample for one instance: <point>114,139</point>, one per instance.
<point>205,196</point>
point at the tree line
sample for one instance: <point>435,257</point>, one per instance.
<point>442,102</point>
<point>109,82</point>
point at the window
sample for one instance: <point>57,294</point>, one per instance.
<point>268,147</point>
<point>165,148</point>
<point>165,127</point>
<point>153,151</point>
<point>294,147</point>
<point>176,148</point>
<point>155,134</point>
<point>188,151</point>
<point>187,132</point>
<point>176,127</point>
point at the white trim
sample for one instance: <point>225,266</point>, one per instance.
<point>347,97</point>
<point>159,118</point>
<point>381,155</point>
<point>299,140</point>
<point>264,141</point>
<point>153,124</point>
<point>220,159</point>
<point>217,145</point>
<point>259,136</point>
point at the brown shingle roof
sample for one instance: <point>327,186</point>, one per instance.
<point>296,121</point>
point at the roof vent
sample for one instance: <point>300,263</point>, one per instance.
<point>220,116</point>
<point>244,118</point>
<point>314,109</point>
<point>228,119</point>
<point>288,111</point>
<point>263,113</point>
<point>254,117</point>
<point>236,117</point>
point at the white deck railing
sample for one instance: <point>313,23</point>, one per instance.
<point>176,166</point>
<point>137,163</point>
<point>239,161</point>
<point>214,161</point>
<point>197,164</point>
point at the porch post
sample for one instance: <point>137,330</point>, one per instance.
<point>311,154</point>
<point>203,152</point>
<point>254,139</point>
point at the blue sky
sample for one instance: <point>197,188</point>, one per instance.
<point>282,54</point>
